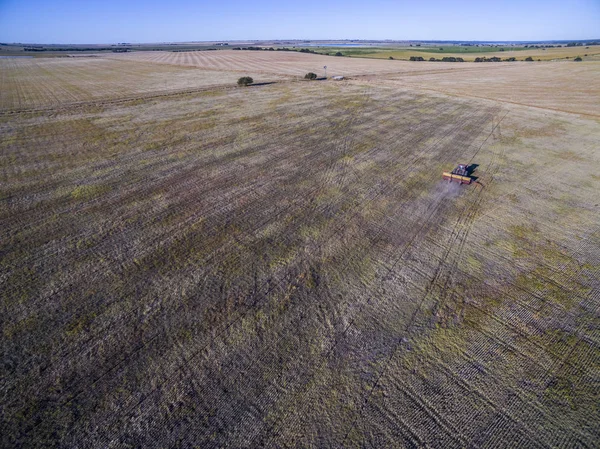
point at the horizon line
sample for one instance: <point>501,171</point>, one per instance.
<point>310,40</point>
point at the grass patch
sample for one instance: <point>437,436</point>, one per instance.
<point>89,192</point>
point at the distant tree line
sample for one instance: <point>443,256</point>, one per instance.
<point>496,59</point>
<point>543,46</point>
<point>301,50</point>
<point>254,48</point>
<point>195,49</point>
<point>70,49</point>
<point>444,59</point>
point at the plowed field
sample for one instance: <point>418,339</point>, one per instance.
<point>283,266</point>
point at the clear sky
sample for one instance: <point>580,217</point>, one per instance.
<point>111,21</point>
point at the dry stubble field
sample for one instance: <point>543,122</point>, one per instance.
<point>282,266</point>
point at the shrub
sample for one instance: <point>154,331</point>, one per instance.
<point>528,58</point>
<point>310,76</point>
<point>244,81</point>
<point>578,58</point>
<point>391,57</point>
<point>417,58</point>
<point>339,53</point>
<point>432,59</point>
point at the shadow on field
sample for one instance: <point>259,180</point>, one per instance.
<point>262,84</point>
<point>471,168</point>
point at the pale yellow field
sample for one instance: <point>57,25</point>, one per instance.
<point>562,86</point>
<point>40,83</point>
<point>565,85</point>
<point>45,82</point>
<point>279,62</point>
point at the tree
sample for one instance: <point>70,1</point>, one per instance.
<point>310,76</point>
<point>245,80</point>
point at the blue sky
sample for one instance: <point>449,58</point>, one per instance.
<point>111,21</point>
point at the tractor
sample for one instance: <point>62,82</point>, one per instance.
<point>460,174</point>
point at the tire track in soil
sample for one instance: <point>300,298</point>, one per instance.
<point>470,212</point>
<point>504,322</point>
<point>451,271</point>
<point>454,237</point>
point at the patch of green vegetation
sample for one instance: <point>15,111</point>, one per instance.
<point>473,263</point>
<point>561,389</point>
<point>465,49</point>
<point>79,324</point>
<point>89,191</point>
<point>23,326</point>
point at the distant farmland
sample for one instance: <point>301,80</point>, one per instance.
<point>186,263</point>
<point>470,53</point>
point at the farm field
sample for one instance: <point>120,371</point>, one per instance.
<point>47,82</point>
<point>50,82</point>
<point>282,265</point>
<point>561,86</point>
<point>566,86</point>
<point>281,62</point>
<point>470,53</point>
